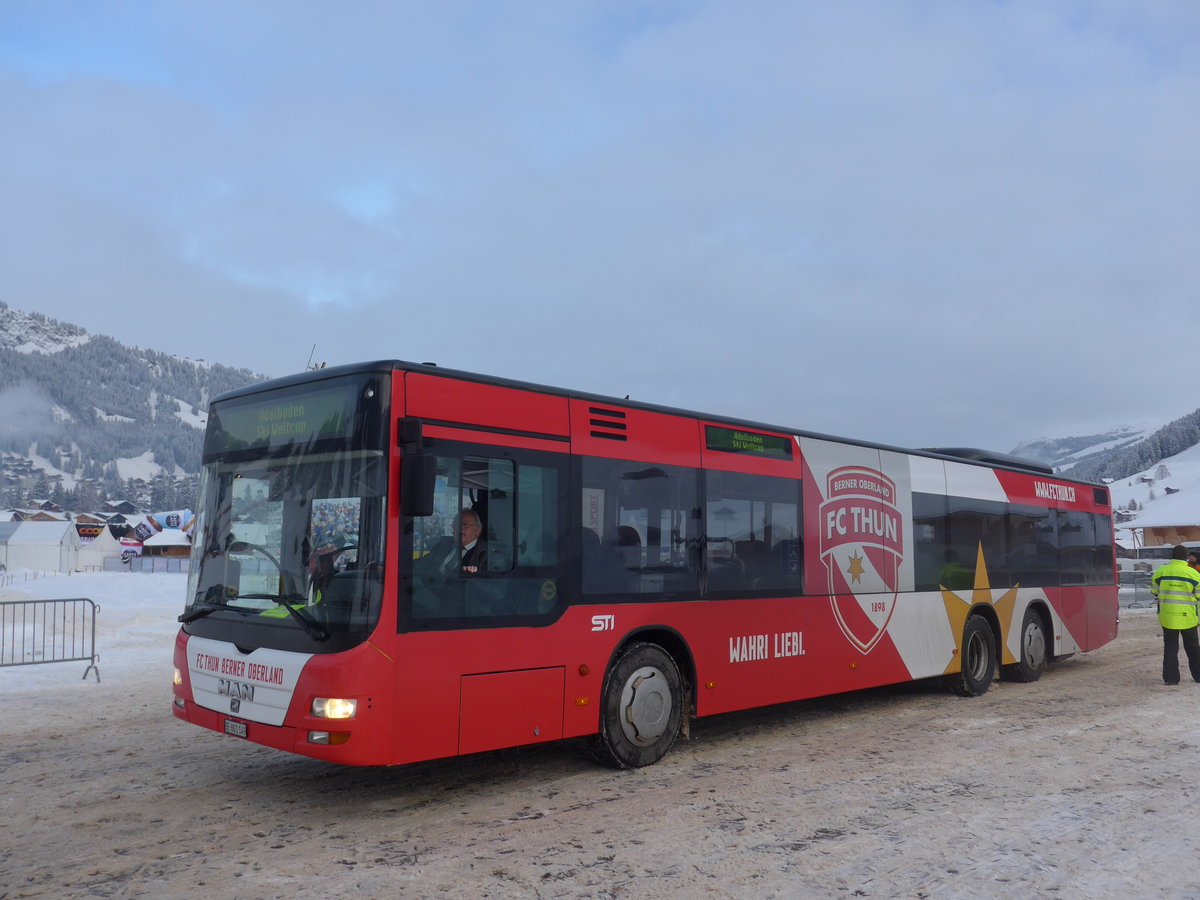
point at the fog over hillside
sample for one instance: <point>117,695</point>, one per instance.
<point>84,418</point>
<point>1066,452</point>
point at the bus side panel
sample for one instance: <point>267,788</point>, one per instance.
<point>472,690</point>
<point>468,691</point>
<point>1104,610</point>
<point>1088,613</point>
<point>794,650</point>
<point>1103,613</point>
<point>485,405</point>
<point>616,432</point>
<point>1090,616</point>
<point>506,709</point>
<point>484,689</point>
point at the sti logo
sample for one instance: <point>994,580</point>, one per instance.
<point>604,623</point>
<point>862,547</point>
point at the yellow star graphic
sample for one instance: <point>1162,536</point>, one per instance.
<point>958,608</point>
<point>856,568</point>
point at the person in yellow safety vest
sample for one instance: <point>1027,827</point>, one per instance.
<point>1176,586</point>
<point>320,570</point>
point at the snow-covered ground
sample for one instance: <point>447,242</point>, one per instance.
<point>135,624</point>
<point>1168,493</point>
<point>1057,788</point>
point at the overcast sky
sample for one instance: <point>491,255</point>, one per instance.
<point>922,223</point>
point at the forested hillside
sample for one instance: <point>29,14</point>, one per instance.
<point>1126,460</point>
<point>72,405</point>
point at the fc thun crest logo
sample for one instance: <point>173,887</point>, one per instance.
<point>862,547</point>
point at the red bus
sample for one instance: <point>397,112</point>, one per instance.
<point>396,562</point>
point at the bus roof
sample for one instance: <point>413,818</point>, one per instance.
<point>973,455</point>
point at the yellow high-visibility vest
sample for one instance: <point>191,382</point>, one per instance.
<point>1176,585</point>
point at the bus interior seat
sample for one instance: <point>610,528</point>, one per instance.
<point>629,547</point>
<point>726,574</point>
<point>754,556</point>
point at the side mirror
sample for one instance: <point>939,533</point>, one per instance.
<point>418,476</point>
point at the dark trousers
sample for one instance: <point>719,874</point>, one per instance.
<point>1191,646</point>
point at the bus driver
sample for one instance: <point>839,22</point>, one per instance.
<point>474,548</point>
<point>465,556</point>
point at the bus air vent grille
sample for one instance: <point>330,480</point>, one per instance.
<point>607,423</point>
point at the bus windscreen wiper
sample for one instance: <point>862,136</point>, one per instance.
<point>200,612</point>
<point>312,628</point>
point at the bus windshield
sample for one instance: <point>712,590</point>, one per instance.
<point>292,546</point>
<point>288,545</point>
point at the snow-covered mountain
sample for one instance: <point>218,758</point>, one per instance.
<point>1153,473</point>
<point>82,412</point>
<point>1118,453</point>
<point>32,333</point>
<point>1167,493</point>
<point>86,413</point>
<point>1066,452</point>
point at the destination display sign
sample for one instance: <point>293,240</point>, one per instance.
<point>293,418</point>
<point>738,440</point>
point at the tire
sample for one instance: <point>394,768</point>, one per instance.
<point>978,658</point>
<point>641,709</point>
<point>1033,655</point>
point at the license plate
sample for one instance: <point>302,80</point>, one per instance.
<point>237,729</point>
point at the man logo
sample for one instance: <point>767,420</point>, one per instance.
<point>862,547</point>
<point>235,705</point>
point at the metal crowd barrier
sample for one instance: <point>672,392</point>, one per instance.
<point>49,631</point>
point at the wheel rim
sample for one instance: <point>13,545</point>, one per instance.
<point>1033,645</point>
<point>645,706</point>
<point>977,657</point>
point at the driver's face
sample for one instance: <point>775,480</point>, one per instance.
<point>469,529</point>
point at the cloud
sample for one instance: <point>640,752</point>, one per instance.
<point>26,416</point>
<point>916,223</point>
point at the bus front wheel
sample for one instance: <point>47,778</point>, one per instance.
<point>641,708</point>
<point>978,658</point>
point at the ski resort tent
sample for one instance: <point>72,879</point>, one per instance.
<point>41,546</point>
<point>168,542</point>
<point>90,555</point>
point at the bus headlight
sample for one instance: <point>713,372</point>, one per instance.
<point>177,678</point>
<point>334,708</point>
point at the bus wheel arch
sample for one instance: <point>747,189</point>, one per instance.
<point>978,655</point>
<point>1034,650</point>
<point>645,702</point>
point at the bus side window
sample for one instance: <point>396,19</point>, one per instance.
<point>492,487</point>
<point>646,519</point>
<point>752,532</point>
<point>929,540</point>
<point>519,506</point>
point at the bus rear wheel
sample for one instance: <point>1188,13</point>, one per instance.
<point>978,658</point>
<point>641,708</point>
<point>1032,662</point>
